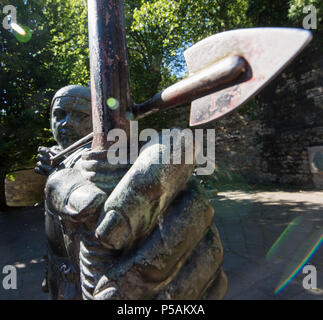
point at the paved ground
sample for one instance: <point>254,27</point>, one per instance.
<point>249,224</point>
<point>22,244</point>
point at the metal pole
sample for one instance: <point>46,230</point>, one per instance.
<point>110,89</point>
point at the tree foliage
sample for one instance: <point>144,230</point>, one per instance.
<point>67,29</point>
<point>159,31</point>
<point>296,15</point>
<point>56,55</point>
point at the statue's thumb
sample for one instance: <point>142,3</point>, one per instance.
<point>113,230</point>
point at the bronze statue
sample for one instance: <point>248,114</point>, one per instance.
<point>145,231</point>
<point>70,120</point>
<point>166,247</point>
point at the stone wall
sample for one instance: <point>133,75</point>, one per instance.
<point>238,149</point>
<point>268,142</point>
<point>292,112</point>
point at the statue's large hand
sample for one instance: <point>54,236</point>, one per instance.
<point>180,259</point>
<point>141,197</point>
<point>161,224</point>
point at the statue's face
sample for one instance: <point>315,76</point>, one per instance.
<point>70,120</point>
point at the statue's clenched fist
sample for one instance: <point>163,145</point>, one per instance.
<point>44,166</point>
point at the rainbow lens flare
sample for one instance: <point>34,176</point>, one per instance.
<point>302,256</point>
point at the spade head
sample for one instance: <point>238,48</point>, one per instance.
<point>267,51</point>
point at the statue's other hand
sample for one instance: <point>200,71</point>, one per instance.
<point>95,167</point>
<point>43,165</point>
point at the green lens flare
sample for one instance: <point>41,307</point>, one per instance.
<point>292,245</point>
<point>22,33</point>
<point>280,242</point>
<point>112,103</point>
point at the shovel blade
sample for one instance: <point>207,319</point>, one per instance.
<point>267,52</point>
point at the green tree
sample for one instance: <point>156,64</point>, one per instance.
<point>56,55</point>
<point>296,16</point>
<point>159,31</point>
<point>67,29</point>
<point>276,13</point>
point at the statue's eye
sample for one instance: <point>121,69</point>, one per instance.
<point>80,116</point>
<point>59,113</point>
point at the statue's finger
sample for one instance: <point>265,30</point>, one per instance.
<point>89,165</point>
<point>43,159</point>
<point>102,171</point>
<point>113,231</point>
<point>110,293</point>
<point>43,150</point>
<point>95,155</point>
<point>193,283</point>
<point>218,288</point>
<point>46,169</point>
<point>106,290</point>
<point>40,171</point>
<point>84,200</point>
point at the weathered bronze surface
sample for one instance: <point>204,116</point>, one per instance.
<point>143,231</point>
<point>222,73</point>
<point>70,121</point>
<point>129,232</point>
<point>267,50</point>
<point>108,67</point>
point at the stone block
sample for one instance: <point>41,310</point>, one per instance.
<point>26,190</point>
<point>315,155</point>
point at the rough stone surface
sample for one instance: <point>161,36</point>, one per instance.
<point>292,116</point>
<point>316,165</point>
<point>268,143</point>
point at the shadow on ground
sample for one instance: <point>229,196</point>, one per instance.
<point>249,222</point>
<point>22,244</point>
